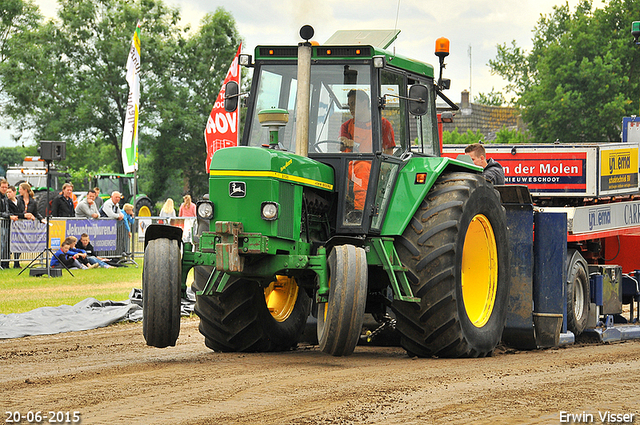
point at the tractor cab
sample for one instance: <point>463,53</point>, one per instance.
<point>369,111</point>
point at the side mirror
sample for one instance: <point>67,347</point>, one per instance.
<point>418,99</point>
<point>231,96</point>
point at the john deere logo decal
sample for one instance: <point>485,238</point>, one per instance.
<point>237,189</point>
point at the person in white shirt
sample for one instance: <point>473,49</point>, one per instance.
<point>111,208</point>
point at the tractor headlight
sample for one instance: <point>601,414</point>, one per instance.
<point>205,210</point>
<point>269,211</point>
<point>379,61</point>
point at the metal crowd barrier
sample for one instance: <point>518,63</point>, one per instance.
<point>127,247</point>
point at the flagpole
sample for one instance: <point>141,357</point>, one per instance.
<point>133,225</point>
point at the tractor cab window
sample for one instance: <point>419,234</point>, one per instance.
<point>277,86</point>
<point>393,90</point>
<point>335,126</point>
<point>424,128</point>
<point>108,185</point>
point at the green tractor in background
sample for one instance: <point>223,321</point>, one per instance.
<point>336,217</point>
<point>123,183</point>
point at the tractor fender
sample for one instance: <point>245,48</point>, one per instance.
<point>159,231</point>
<point>407,196</point>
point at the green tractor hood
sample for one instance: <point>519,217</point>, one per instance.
<point>246,161</point>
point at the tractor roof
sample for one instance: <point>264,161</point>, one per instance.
<point>351,44</point>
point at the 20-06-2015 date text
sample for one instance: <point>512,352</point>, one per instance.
<point>37,417</point>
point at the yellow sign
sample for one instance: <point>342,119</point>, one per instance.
<point>618,168</point>
<point>57,233</point>
<point>619,161</point>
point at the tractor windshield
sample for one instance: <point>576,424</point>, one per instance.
<point>340,117</point>
<point>108,184</point>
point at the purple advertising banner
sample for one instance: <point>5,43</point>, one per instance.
<point>28,236</point>
<point>102,233</point>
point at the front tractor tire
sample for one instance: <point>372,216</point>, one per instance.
<point>248,318</point>
<point>457,254</point>
<point>161,293</point>
<point>340,319</point>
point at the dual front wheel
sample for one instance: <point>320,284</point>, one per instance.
<point>248,318</point>
<point>161,292</point>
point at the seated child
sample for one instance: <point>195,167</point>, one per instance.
<point>84,256</point>
<point>63,256</point>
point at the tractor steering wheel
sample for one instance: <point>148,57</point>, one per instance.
<point>316,146</point>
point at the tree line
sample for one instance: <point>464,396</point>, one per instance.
<point>582,75</point>
<point>64,79</point>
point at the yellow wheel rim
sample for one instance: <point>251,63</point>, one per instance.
<point>479,271</point>
<point>281,296</point>
<point>144,212</point>
<point>325,306</point>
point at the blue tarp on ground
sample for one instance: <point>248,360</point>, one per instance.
<point>87,314</point>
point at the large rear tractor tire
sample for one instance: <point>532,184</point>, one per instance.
<point>42,203</point>
<point>161,293</point>
<point>144,208</point>
<point>340,319</point>
<point>457,254</point>
<point>248,318</point>
<point>578,292</point>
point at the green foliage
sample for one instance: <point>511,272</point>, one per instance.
<point>81,178</point>
<point>507,136</point>
<point>186,107</point>
<point>582,75</point>
<point>64,80</point>
<point>493,98</point>
<point>455,138</point>
<point>13,156</point>
<point>504,135</point>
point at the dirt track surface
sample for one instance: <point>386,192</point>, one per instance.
<point>110,376</point>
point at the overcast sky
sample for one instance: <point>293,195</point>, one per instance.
<point>475,26</point>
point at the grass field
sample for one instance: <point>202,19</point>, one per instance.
<point>24,293</point>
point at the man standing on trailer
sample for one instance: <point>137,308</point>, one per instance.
<point>492,170</point>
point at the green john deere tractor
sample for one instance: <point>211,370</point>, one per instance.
<point>123,183</point>
<point>337,204</point>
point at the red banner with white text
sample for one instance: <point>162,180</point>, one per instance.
<point>222,126</point>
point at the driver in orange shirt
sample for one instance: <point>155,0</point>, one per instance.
<point>355,136</point>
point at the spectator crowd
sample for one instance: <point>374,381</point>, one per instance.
<point>20,204</point>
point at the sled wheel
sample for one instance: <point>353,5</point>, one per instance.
<point>340,319</point>
<point>161,292</point>
<point>578,292</point>
<point>457,254</point>
<point>248,318</point>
